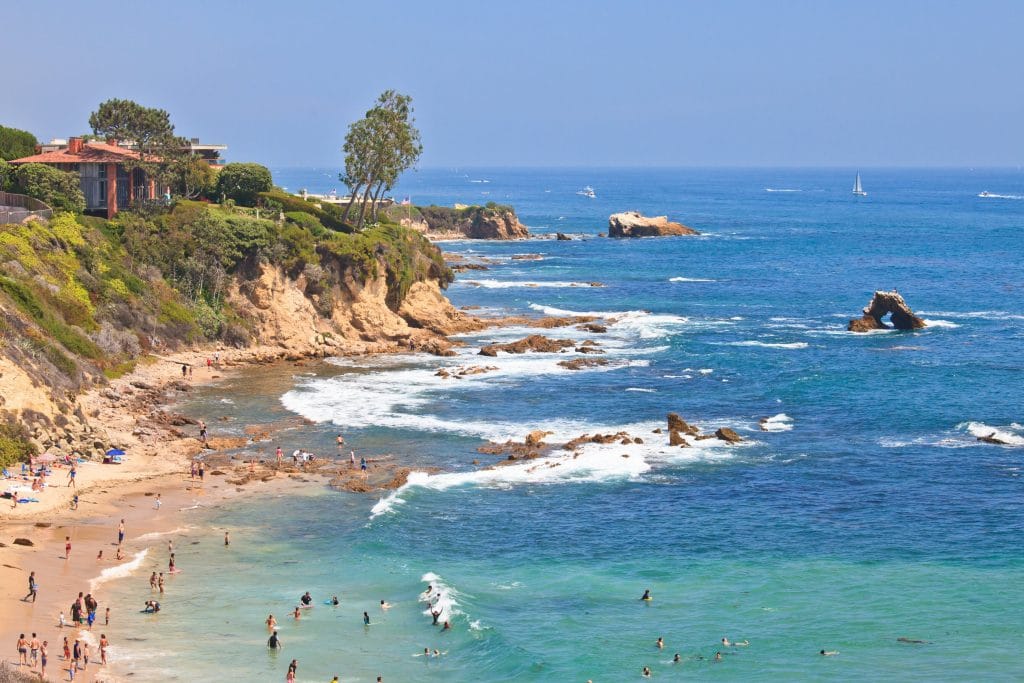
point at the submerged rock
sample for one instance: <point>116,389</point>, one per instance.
<point>881,305</point>
<point>635,224</point>
<point>580,363</point>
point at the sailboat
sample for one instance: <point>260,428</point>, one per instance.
<point>857,189</point>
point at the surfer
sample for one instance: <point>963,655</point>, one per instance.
<point>647,596</point>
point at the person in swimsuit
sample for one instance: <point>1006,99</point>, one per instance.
<point>306,599</point>
<point>271,622</point>
<point>120,533</point>
<point>718,656</point>
<point>160,582</point>
<point>106,617</point>
<point>227,540</point>
<point>647,595</point>
<point>676,658</point>
<point>385,605</point>
<point>152,581</point>
<point>104,644</point>
<point>43,652</point>
<point>34,649</point>
<point>170,564</point>
<point>22,650</point>
<point>436,614</point>
<point>446,627</point>
<point>334,601</point>
<point>297,613</point>
<point>32,588</point>
<point>646,673</point>
<point>661,643</point>
<point>366,619</point>
<point>67,547</point>
<point>274,642</point>
<point>829,653</point>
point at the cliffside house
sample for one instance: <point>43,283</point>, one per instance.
<point>106,182</point>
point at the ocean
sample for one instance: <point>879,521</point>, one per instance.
<point>867,512</point>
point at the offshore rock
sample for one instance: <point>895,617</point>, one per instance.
<point>726,434</point>
<point>537,343</point>
<point>635,224</point>
<point>881,305</point>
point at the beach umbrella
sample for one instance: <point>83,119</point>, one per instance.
<point>115,451</point>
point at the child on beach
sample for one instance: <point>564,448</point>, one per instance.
<point>67,547</point>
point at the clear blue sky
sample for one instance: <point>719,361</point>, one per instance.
<point>542,83</point>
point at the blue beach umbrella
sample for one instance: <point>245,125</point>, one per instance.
<point>115,451</point>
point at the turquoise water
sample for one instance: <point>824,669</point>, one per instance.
<point>869,513</point>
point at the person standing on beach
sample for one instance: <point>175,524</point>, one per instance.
<point>67,547</point>
<point>202,431</point>
<point>280,456</point>
<point>43,653</point>
<point>152,581</point>
<point>202,467</point>
<point>71,475</point>
<point>157,503</point>
<point>170,564</point>
<point>76,653</point>
<point>120,532</point>
<point>22,650</point>
<point>34,649</point>
<point>106,617</point>
<point>74,502</point>
<point>104,644</point>
<point>33,587</point>
<point>227,541</point>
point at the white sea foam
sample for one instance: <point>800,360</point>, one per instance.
<point>593,463</point>
<point>640,324</point>
<point>508,284</point>
<point>118,571</point>
<point>690,279</point>
<point>778,423</point>
<point>706,371</point>
<point>157,534</point>
<point>984,315</point>
<point>949,324</point>
<point>770,345</point>
<point>443,597</point>
<point>1011,434</point>
<point>991,195</point>
<point>642,390</point>
<point>781,189</point>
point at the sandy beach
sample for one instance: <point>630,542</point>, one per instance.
<point>157,464</point>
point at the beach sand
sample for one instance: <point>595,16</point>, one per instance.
<point>157,463</point>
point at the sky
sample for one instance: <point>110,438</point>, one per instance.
<point>546,84</point>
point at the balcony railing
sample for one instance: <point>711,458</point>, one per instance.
<point>15,208</point>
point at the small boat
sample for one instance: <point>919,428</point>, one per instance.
<point>587,191</point>
<point>985,193</point>
<point>857,189</point>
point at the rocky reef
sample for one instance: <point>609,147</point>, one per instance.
<point>635,224</point>
<point>490,222</point>
<point>881,305</point>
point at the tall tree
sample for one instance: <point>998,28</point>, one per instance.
<point>160,151</point>
<point>15,143</point>
<point>378,149</point>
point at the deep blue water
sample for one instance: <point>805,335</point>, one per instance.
<point>875,515</point>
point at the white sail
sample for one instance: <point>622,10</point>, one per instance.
<point>857,189</point>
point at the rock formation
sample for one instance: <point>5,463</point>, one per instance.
<point>580,363</point>
<point>881,305</point>
<point>562,237</point>
<point>492,222</point>
<point>535,342</point>
<point>635,224</point>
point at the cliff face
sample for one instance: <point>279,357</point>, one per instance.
<point>635,224</point>
<point>491,222</point>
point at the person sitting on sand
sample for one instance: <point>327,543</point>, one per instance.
<point>829,653</point>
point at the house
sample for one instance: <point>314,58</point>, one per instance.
<point>106,181</point>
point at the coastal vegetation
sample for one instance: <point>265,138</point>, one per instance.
<point>15,143</point>
<point>84,298</point>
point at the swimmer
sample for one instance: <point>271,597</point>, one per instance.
<point>306,599</point>
<point>646,672</point>
<point>435,614</point>
<point>912,641</point>
<point>661,643</point>
<point>274,642</point>
<point>334,601</point>
<point>726,643</point>
<point>829,653</point>
<point>437,654</point>
<point>647,595</point>
<point>446,627</point>
<point>676,658</point>
<point>366,619</point>
<point>718,656</point>
<point>385,605</point>
<point>297,613</point>
<point>271,622</point>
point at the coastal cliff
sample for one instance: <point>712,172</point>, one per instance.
<point>489,222</point>
<point>84,301</point>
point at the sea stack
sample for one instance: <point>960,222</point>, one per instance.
<point>881,305</point>
<point>635,224</point>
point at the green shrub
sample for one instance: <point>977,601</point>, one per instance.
<point>59,189</point>
<point>15,144</point>
<point>6,176</point>
<point>329,215</point>
<point>27,301</point>
<point>14,445</point>
<point>308,221</point>
<point>244,182</point>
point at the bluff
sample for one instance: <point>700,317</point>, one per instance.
<point>489,222</point>
<point>83,300</point>
<point>635,224</point>
<point>881,305</point>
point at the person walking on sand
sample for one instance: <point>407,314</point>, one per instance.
<point>22,650</point>
<point>33,588</point>
<point>202,431</point>
<point>71,475</point>
<point>74,502</point>
<point>202,468</point>
<point>106,617</point>
<point>184,371</point>
<point>43,655</point>
<point>279,454</point>
<point>120,532</point>
<point>33,647</point>
<point>67,547</point>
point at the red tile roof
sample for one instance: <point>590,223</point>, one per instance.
<point>92,153</point>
